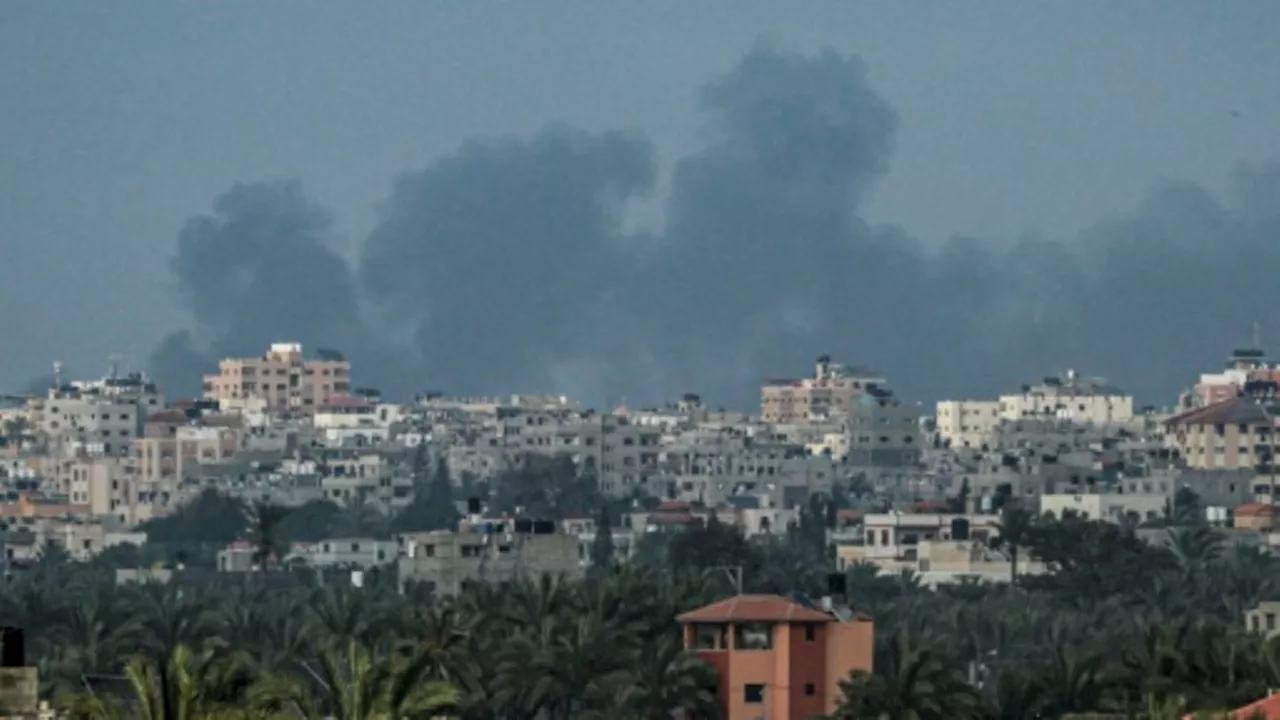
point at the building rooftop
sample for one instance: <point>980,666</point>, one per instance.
<point>1240,409</point>
<point>755,608</point>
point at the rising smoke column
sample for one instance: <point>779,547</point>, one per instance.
<point>509,263</point>
<point>1178,283</point>
<point>500,255</point>
<point>753,276</point>
<point>258,269</point>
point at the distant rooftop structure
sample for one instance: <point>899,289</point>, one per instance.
<point>1072,383</point>
<point>755,608</point>
<point>825,397</point>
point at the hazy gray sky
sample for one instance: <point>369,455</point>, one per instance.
<point>120,120</point>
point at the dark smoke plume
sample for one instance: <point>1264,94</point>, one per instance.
<point>259,269</point>
<point>509,265</point>
<point>497,255</point>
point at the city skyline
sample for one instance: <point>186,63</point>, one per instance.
<point>672,251</point>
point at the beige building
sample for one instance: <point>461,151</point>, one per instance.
<point>282,378</point>
<point>826,396</point>
<point>447,561</point>
<point>168,455</point>
<point>100,483</point>
<point>967,423</point>
<point>100,417</point>
<point>947,562</point>
<point>896,536</point>
<point>1235,433</point>
<point>1262,619</point>
<point>1069,397</point>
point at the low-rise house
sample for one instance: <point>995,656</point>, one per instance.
<point>946,562</point>
<point>1111,507</point>
<point>237,557</point>
<point>1262,619</point>
<point>496,551</point>
<point>778,658</point>
<point>1256,516</point>
<point>142,576</point>
<point>345,553</point>
<point>897,536</point>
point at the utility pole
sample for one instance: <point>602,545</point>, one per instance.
<point>735,575</point>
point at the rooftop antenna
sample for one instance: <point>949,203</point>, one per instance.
<point>57,373</point>
<point>113,364</point>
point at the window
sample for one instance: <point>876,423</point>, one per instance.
<point>809,690</point>
<point>810,633</point>
<point>710,637</point>
<point>1271,621</point>
<point>753,694</point>
<point>753,636</point>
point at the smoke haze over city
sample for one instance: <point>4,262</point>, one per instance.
<point>791,194</point>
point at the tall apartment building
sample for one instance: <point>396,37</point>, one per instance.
<point>883,431</point>
<point>1069,397</point>
<point>283,379</point>
<point>1246,365</point>
<point>1236,433</point>
<point>967,423</point>
<point>624,455</point>
<point>710,466</point>
<point>825,397</point>
<point>168,454</point>
<point>101,417</point>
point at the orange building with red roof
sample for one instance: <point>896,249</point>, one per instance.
<point>1268,708</point>
<point>777,658</point>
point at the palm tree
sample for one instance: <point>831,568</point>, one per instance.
<point>351,684</point>
<point>911,682</point>
<point>1015,526</point>
<point>264,532</point>
<point>94,631</point>
<point>666,679</point>
<point>187,686</point>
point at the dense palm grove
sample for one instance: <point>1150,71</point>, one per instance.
<point>1118,626</point>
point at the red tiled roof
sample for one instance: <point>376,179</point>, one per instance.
<point>1239,409</point>
<point>1268,708</point>
<point>673,519</point>
<point>1254,509</point>
<point>755,608</point>
<point>673,506</point>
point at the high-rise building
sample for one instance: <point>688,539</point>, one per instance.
<point>825,397</point>
<point>281,381</point>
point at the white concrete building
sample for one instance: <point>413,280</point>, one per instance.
<point>967,423</point>
<point>1069,397</point>
<point>1111,507</point>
